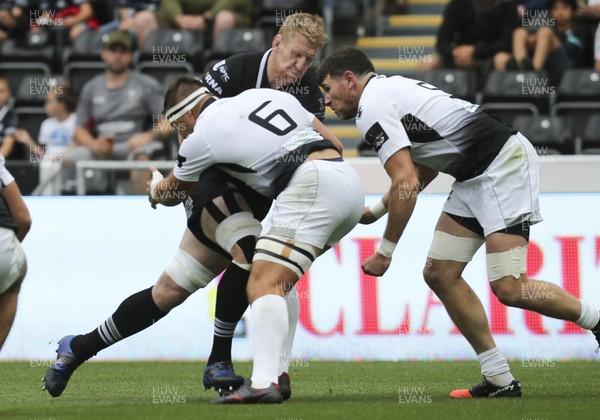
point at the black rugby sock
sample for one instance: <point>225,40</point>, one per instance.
<point>232,302</point>
<point>135,314</point>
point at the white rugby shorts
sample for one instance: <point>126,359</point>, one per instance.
<point>12,259</point>
<point>504,195</point>
<point>322,203</point>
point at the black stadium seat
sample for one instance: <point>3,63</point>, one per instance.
<point>80,72</point>
<point>591,136</point>
<point>86,47</point>
<point>549,135</point>
<point>233,41</point>
<point>34,89</point>
<point>509,94</point>
<point>172,47</point>
<point>17,71</point>
<point>33,47</point>
<point>460,83</point>
<point>578,96</point>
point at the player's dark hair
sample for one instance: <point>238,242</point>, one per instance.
<point>570,3</point>
<point>344,59</point>
<point>180,89</point>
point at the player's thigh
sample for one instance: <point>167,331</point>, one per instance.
<point>506,193</point>
<point>322,203</point>
<point>193,267</point>
<point>454,243</point>
<point>212,260</point>
<point>224,215</point>
<point>13,264</point>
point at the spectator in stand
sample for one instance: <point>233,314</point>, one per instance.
<point>56,135</point>
<point>472,34</point>
<point>133,16</point>
<point>14,19</point>
<point>8,118</point>
<point>590,13</point>
<point>554,48</point>
<point>119,116</point>
<point>198,15</point>
<point>136,16</point>
<point>74,16</point>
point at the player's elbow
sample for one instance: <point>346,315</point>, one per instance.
<point>24,225</point>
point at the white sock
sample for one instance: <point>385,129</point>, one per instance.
<point>589,316</point>
<point>494,367</point>
<point>293,307</point>
<point>268,328</point>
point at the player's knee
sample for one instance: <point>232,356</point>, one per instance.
<point>436,277</point>
<point>237,235</point>
<point>506,271</point>
<point>508,290</point>
<point>242,252</point>
<point>187,274</point>
<point>167,294</point>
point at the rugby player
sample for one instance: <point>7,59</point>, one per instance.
<point>494,199</point>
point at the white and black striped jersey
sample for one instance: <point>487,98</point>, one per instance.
<point>450,135</point>
<point>259,137</point>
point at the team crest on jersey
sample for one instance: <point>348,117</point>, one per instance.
<point>376,136</point>
<point>180,160</point>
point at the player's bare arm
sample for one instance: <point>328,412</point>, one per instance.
<point>168,191</point>
<point>402,197</point>
<point>327,134</point>
<point>99,146</point>
<point>375,211</point>
<point>18,209</point>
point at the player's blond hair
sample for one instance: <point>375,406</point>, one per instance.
<point>310,26</point>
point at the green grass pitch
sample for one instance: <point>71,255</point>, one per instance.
<point>320,390</point>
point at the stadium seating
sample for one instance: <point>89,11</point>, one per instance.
<point>233,41</point>
<point>172,48</point>
<point>590,142</point>
<point>397,54</point>
<point>504,94</point>
<point>578,96</point>
<point>86,47</point>
<point>548,134</point>
<point>16,72</point>
<point>271,13</point>
<point>460,83</point>
<point>31,118</point>
<point>80,72</point>
<point>35,47</point>
<point>33,89</point>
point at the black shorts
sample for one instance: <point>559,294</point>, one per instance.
<point>215,183</point>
